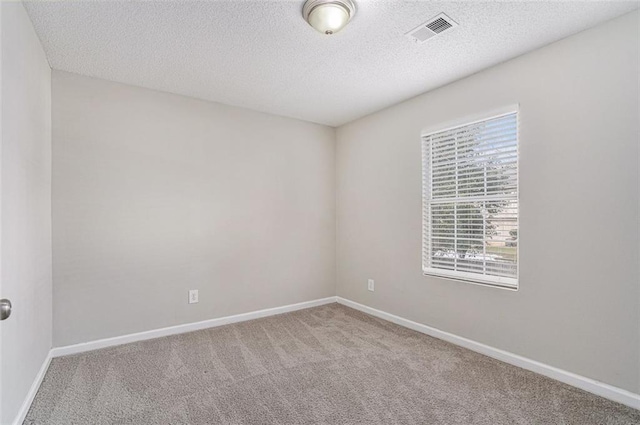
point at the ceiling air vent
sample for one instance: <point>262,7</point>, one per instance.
<point>431,28</point>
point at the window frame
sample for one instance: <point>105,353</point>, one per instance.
<point>512,284</point>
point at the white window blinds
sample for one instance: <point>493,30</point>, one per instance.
<point>470,201</point>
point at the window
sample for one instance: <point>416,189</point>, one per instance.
<point>470,201</point>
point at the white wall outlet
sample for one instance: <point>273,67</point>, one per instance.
<point>193,296</point>
<point>370,285</point>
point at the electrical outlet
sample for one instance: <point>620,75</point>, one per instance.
<point>193,296</point>
<point>370,285</point>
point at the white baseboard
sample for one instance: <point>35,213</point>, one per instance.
<point>188,327</point>
<point>26,404</point>
<point>587,384</point>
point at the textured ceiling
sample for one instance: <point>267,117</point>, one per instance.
<point>262,55</point>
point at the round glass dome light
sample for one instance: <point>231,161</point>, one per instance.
<point>328,16</point>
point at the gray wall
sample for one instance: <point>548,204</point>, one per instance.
<point>25,260</point>
<point>155,194</point>
<point>578,303</point>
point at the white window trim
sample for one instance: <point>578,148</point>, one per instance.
<point>511,284</point>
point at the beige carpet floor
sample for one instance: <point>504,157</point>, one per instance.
<point>324,365</point>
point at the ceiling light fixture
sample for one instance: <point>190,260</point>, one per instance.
<point>328,16</point>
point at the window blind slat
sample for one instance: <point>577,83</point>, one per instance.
<point>496,139</point>
<point>506,157</point>
<point>482,129</point>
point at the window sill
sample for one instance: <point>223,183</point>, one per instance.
<point>492,281</point>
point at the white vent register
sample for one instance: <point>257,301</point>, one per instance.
<point>434,26</point>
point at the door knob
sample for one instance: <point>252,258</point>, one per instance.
<point>5,309</point>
